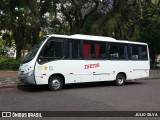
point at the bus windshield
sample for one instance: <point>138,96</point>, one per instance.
<point>34,50</point>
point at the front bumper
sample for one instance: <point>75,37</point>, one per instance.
<point>27,78</point>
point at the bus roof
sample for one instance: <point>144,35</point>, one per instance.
<point>91,37</point>
<point>132,42</point>
<point>86,37</point>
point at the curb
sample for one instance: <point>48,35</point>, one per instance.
<point>20,84</point>
<point>8,86</point>
<point>8,78</point>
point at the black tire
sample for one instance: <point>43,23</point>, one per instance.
<point>55,83</point>
<point>120,79</point>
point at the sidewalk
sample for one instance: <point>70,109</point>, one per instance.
<point>10,78</point>
<point>155,74</point>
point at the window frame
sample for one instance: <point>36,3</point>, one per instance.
<point>59,39</point>
<point>118,44</point>
<point>139,45</point>
<point>94,43</point>
<point>68,49</point>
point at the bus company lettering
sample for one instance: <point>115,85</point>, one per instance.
<point>88,66</point>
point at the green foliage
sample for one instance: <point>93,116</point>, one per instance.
<point>121,19</point>
<point>7,39</point>
<point>152,38</point>
<point>90,27</point>
<point>9,63</point>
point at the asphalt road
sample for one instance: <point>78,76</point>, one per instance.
<point>140,95</point>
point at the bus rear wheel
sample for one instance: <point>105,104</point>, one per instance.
<point>55,83</point>
<point>120,79</point>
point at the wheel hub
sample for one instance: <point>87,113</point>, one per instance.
<point>120,80</point>
<point>55,83</point>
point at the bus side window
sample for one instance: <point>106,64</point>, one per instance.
<point>58,50</point>
<point>118,51</point>
<point>103,51</point>
<point>50,51</point>
<point>143,55</point>
<point>138,52</point>
<point>47,50</point>
<point>86,50</point>
<point>123,51</point>
<point>73,51</point>
<point>113,51</point>
<point>134,52</point>
<point>95,50</point>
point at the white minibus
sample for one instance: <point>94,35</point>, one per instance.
<point>57,60</point>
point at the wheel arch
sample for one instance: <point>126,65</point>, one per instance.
<point>58,74</point>
<point>123,73</point>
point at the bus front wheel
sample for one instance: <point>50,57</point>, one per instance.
<point>120,79</point>
<point>55,83</point>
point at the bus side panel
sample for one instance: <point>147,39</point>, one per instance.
<point>41,74</point>
<point>76,71</point>
<point>106,70</point>
<point>70,69</point>
<point>140,69</point>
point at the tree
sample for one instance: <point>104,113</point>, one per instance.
<point>121,19</point>
<point>152,38</point>
<point>124,19</point>
<point>25,19</point>
<point>76,12</point>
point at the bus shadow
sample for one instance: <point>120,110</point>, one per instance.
<point>98,84</point>
<point>32,88</point>
<point>40,88</point>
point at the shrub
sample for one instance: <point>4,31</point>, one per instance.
<point>9,63</point>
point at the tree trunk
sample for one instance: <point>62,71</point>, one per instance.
<point>35,34</point>
<point>19,41</point>
<point>18,52</point>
